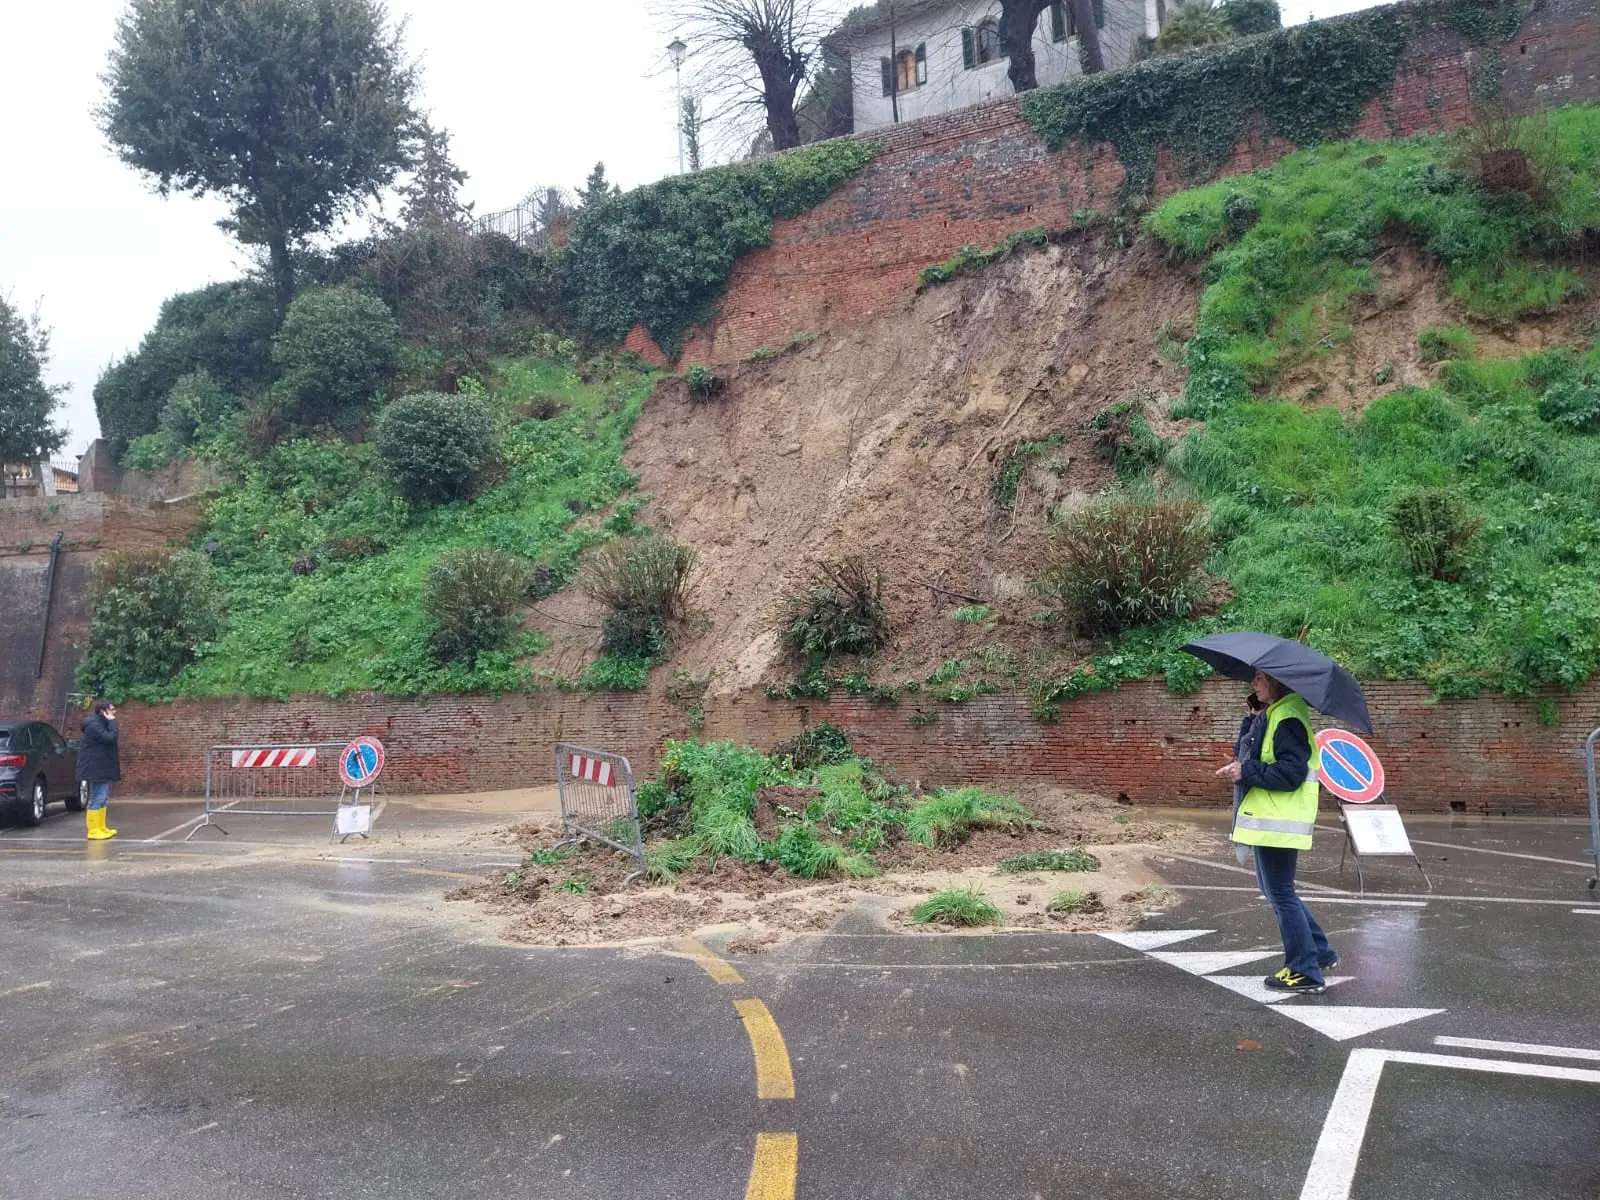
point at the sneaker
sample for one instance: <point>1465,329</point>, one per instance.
<point>1287,981</point>
<point>1329,963</point>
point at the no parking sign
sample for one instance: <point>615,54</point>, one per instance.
<point>360,762</point>
<point>1350,770</point>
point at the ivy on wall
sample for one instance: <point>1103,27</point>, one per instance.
<point>660,255</point>
<point>1308,84</point>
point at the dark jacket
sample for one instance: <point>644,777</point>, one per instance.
<point>97,752</point>
<point>1291,748</point>
<point>1247,746</point>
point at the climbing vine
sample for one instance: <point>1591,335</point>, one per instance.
<point>660,255</point>
<point>1308,84</point>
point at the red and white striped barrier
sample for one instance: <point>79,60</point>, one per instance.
<point>302,756</point>
<point>591,770</point>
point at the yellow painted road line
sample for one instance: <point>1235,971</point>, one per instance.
<point>774,1079</point>
<point>30,850</point>
<point>707,958</point>
<point>773,1169</point>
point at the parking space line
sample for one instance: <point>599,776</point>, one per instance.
<point>707,959</point>
<point>773,1169</point>
<point>774,1078</point>
<point>1519,1048</point>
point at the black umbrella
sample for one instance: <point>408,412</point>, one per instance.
<point>1327,686</point>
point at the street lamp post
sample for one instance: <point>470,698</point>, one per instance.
<point>677,51</point>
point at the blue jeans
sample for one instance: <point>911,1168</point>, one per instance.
<point>99,793</point>
<point>1305,946</point>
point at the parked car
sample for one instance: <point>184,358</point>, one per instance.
<point>37,765</point>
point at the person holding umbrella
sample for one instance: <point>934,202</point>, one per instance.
<point>1278,812</point>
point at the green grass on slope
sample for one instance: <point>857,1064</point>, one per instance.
<point>355,621</point>
<point>1301,495</point>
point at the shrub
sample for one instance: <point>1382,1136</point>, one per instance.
<point>818,745</point>
<point>195,408</point>
<point>336,346</point>
<point>1239,212</point>
<point>840,611</point>
<point>473,599</point>
<point>1572,404</point>
<point>644,582</point>
<point>1116,565</point>
<point>435,446</point>
<point>1513,154</point>
<point>1440,343</point>
<point>1436,532</point>
<point>611,674</point>
<point>1247,17</point>
<point>1124,439</point>
<point>703,384</point>
<point>151,452</point>
<point>152,614</point>
<point>1195,23</point>
<point>806,856</point>
<point>961,907</point>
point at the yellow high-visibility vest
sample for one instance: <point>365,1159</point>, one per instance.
<point>1283,819</point>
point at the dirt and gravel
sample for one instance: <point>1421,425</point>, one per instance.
<point>757,904</point>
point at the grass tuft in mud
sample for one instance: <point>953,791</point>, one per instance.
<point>1076,859</point>
<point>960,907</point>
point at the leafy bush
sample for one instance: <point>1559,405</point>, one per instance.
<point>151,451</point>
<point>1115,565</point>
<point>1436,531</point>
<point>1572,404</point>
<point>1518,154</point>
<point>195,408</point>
<point>613,674</point>
<point>336,347</point>
<point>1124,439</point>
<point>703,385</point>
<point>840,611</point>
<point>958,907</point>
<point>818,745</point>
<point>1248,17</point>
<point>473,599</point>
<point>1076,859</point>
<point>644,582</point>
<point>659,256</point>
<point>435,446</point>
<point>802,853</point>
<point>152,614</point>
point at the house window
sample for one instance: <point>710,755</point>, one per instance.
<point>905,72</point>
<point>980,45</point>
<point>1063,23</point>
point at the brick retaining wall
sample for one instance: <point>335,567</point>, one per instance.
<point>1141,741</point>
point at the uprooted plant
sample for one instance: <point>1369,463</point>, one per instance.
<point>838,610</point>
<point>644,582</point>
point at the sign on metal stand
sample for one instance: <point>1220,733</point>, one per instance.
<point>1352,772</point>
<point>360,764</point>
<point>597,800</point>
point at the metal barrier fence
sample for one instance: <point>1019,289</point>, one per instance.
<point>597,799</point>
<point>277,780</point>
<point>1594,808</point>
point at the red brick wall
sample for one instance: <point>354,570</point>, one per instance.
<point>973,176</point>
<point>1140,741</point>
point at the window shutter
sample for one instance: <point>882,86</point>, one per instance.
<point>1058,22</point>
<point>1099,14</point>
<point>969,52</point>
<point>888,75</point>
<point>922,63</point>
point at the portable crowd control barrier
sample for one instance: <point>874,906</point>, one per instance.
<point>277,781</point>
<point>597,800</point>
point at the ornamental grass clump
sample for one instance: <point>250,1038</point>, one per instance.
<point>840,610</point>
<point>958,908</point>
<point>644,582</point>
<point>1436,531</point>
<point>951,815</point>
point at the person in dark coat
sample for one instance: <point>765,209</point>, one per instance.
<point>99,765</point>
<point>1247,745</point>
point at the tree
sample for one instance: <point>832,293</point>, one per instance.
<point>1087,22</point>
<point>294,111</point>
<point>596,188</point>
<point>1018,21</point>
<point>690,122</point>
<point>27,402</point>
<point>754,55</point>
<point>432,195</point>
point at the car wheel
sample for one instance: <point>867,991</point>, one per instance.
<point>77,801</point>
<point>34,812</point>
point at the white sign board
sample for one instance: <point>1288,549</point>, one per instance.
<point>352,818</point>
<point>1376,829</point>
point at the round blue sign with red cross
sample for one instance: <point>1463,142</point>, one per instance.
<point>360,762</point>
<point>1350,770</point>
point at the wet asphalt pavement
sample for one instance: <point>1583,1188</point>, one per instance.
<point>232,1019</point>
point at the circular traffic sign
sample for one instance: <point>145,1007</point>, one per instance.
<point>360,762</point>
<point>1350,770</point>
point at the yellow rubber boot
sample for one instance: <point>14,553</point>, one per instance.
<point>97,825</point>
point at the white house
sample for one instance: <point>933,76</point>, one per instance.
<point>916,58</point>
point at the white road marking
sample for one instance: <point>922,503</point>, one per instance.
<point>1565,862</point>
<point>1204,962</point>
<point>1304,885</point>
<point>1397,898</point>
<point>1154,939</point>
<point>1518,1048</point>
<point>1342,1022</point>
<point>166,833</point>
<point>27,987</point>
<point>1588,911</point>
<point>1252,987</point>
<point>1333,1164</point>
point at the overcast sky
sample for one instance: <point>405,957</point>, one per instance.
<point>526,101</point>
